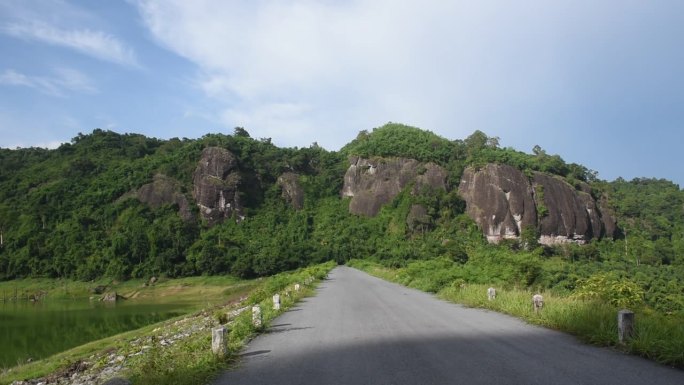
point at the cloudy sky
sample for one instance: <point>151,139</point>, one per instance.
<point>599,82</point>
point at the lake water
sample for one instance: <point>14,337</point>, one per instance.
<point>39,329</point>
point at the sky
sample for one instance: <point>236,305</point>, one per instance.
<point>600,83</point>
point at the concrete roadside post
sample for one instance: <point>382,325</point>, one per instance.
<point>219,344</point>
<point>276,302</point>
<point>625,325</point>
<point>256,316</point>
<point>296,287</point>
<point>491,293</point>
<point>537,302</point>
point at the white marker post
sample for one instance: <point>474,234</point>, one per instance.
<point>276,302</point>
<point>218,341</point>
<point>491,293</point>
<point>537,302</point>
<point>256,316</point>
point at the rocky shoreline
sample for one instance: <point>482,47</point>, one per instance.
<point>109,366</point>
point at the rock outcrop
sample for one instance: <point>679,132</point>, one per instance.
<point>292,190</point>
<point>165,191</point>
<point>215,185</point>
<point>504,201</point>
<point>500,199</point>
<point>372,183</point>
<point>418,219</point>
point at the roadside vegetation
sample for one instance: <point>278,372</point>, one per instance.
<point>588,312</point>
<point>176,351</point>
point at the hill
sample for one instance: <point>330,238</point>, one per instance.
<point>125,206</point>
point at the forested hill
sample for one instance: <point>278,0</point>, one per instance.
<point>126,206</point>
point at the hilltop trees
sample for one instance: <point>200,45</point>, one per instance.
<point>72,212</point>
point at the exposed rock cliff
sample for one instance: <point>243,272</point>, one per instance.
<point>292,190</point>
<point>165,191</point>
<point>500,199</point>
<point>504,201</point>
<point>373,182</point>
<point>216,180</point>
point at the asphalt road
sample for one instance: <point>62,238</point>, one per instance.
<point>361,330</point>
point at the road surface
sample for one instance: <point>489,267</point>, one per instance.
<point>361,330</point>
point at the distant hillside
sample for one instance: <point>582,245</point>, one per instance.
<point>126,206</point>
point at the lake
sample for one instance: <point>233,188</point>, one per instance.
<point>39,329</point>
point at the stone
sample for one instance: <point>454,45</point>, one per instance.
<point>257,320</point>
<point>491,294</point>
<point>625,325</point>
<point>371,183</point>
<point>162,191</point>
<point>215,185</point>
<point>537,302</point>
<point>291,190</point>
<point>418,219</point>
<point>573,215</point>
<point>499,198</point>
<point>504,201</point>
<point>219,344</point>
<point>111,297</point>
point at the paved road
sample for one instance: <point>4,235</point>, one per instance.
<point>361,330</point>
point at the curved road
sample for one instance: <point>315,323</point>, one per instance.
<point>361,330</point>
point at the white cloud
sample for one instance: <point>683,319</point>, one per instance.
<point>97,44</point>
<point>296,67</point>
<point>65,80</point>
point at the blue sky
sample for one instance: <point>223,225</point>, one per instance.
<point>599,82</point>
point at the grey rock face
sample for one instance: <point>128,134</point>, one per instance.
<point>572,214</point>
<point>418,218</point>
<point>215,185</point>
<point>165,191</point>
<point>372,183</point>
<point>504,201</point>
<point>500,199</point>
<point>292,190</point>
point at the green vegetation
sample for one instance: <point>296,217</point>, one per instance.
<point>209,287</point>
<point>590,313</point>
<point>395,139</point>
<point>189,359</point>
<point>70,214</point>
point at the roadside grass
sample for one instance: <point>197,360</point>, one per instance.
<point>192,361</point>
<point>177,289</point>
<point>188,360</point>
<point>657,336</point>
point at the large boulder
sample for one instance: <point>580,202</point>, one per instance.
<point>215,185</point>
<point>500,199</point>
<point>571,214</point>
<point>292,190</point>
<point>504,201</point>
<point>372,183</point>
<point>165,191</point>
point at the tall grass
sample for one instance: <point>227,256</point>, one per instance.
<point>657,336</point>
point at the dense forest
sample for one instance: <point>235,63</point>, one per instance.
<point>72,213</point>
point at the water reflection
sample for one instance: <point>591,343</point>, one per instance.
<point>39,329</point>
